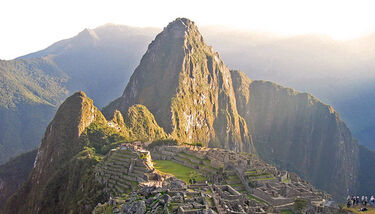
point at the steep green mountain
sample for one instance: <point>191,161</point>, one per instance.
<point>14,173</point>
<point>30,89</point>
<point>76,140</point>
<point>299,133</point>
<point>195,97</point>
<point>186,85</point>
<point>98,61</point>
<point>60,160</point>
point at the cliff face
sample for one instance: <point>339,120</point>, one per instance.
<point>366,172</point>
<point>186,85</point>
<point>299,133</point>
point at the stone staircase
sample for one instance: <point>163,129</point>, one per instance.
<point>234,181</point>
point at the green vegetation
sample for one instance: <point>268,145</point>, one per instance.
<point>163,142</point>
<point>250,172</point>
<point>286,212</point>
<point>142,124</point>
<point>75,181</point>
<point>32,87</point>
<point>103,138</point>
<point>194,144</point>
<point>299,205</point>
<point>29,93</point>
<point>14,173</point>
<point>180,171</point>
<point>73,186</point>
<point>256,198</point>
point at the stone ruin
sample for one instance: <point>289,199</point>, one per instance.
<point>237,183</point>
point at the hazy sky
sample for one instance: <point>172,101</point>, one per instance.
<point>31,25</point>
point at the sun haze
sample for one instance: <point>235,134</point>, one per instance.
<point>32,25</point>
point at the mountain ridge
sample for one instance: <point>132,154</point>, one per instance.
<point>34,85</point>
<point>297,132</point>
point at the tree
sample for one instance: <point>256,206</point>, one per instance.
<point>299,205</point>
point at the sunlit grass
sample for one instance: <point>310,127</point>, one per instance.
<point>180,171</point>
<point>371,210</point>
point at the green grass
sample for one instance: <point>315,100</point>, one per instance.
<point>371,210</point>
<point>256,198</point>
<point>180,171</point>
<point>286,212</point>
<point>190,156</point>
<point>265,179</point>
<point>252,172</point>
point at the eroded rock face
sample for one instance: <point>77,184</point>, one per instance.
<point>299,133</point>
<point>186,85</point>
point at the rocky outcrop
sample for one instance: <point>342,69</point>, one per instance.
<point>186,85</point>
<point>60,144</point>
<point>297,132</point>
<point>61,139</point>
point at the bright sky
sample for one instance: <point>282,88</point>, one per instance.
<point>30,25</point>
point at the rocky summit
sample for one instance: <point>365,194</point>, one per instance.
<point>186,85</point>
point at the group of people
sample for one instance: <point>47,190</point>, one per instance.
<point>192,181</point>
<point>355,200</point>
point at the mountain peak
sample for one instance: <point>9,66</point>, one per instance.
<point>181,23</point>
<point>88,33</point>
<point>178,29</point>
<point>188,89</point>
<point>79,94</point>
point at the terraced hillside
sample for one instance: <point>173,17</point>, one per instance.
<point>210,180</point>
<point>120,170</point>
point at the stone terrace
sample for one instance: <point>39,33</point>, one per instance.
<point>237,183</point>
<point>124,168</point>
<point>245,173</point>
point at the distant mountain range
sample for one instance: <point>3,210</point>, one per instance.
<point>33,86</point>
<point>340,73</point>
